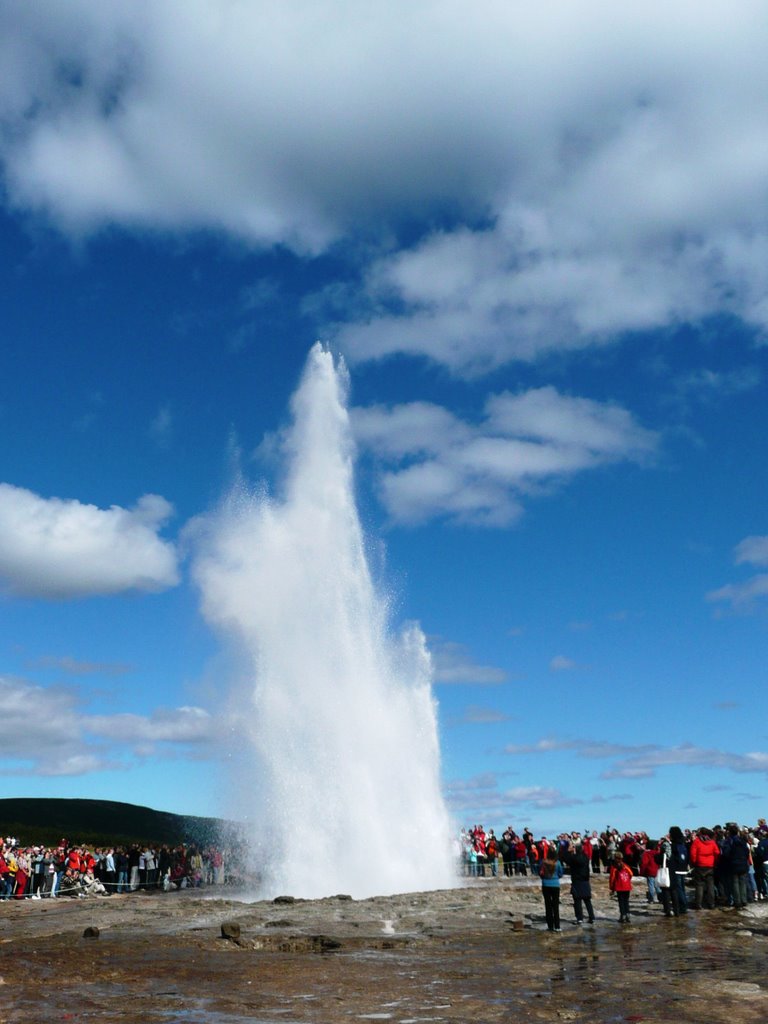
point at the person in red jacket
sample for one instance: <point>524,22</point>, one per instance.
<point>620,882</point>
<point>649,868</point>
<point>75,861</point>
<point>705,853</point>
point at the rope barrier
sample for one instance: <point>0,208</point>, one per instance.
<point>113,888</point>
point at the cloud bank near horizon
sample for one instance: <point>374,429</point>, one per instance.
<point>572,173</point>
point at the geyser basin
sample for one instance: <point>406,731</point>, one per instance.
<point>339,714</point>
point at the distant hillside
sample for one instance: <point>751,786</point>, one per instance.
<point>102,822</point>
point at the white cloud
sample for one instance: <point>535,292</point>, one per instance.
<point>161,427</point>
<point>643,760</point>
<point>164,725</point>
<point>562,664</point>
<point>708,384</point>
<point>481,796</point>
<point>46,735</point>
<point>72,666</point>
<point>744,595</point>
<point>753,550</point>
<point>55,548</point>
<point>44,731</point>
<point>437,464</point>
<point>474,714</point>
<point>646,763</point>
<point>616,159</point>
<point>452,663</point>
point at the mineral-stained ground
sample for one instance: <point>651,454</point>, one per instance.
<point>476,953</point>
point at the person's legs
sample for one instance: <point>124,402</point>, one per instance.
<point>740,889</point>
<point>590,911</point>
<point>623,898</point>
<point>666,902</point>
<point>556,908</point>
<point>578,909</point>
<point>709,889</point>
<point>548,909</point>
<point>677,889</point>
<point>751,887</point>
<point>698,878</point>
<point>552,907</point>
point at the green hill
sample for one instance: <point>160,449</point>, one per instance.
<point>102,822</point>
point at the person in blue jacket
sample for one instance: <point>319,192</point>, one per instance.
<point>551,872</point>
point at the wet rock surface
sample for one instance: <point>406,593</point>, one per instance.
<point>480,952</point>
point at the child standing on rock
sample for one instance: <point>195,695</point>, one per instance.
<point>551,872</point>
<point>620,882</point>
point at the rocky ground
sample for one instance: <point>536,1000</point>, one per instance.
<point>476,953</point>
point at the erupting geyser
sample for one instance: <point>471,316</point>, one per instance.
<point>340,713</point>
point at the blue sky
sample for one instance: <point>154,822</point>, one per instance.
<point>540,242</point>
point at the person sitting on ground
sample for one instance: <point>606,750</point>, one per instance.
<point>91,886</point>
<point>70,884</point>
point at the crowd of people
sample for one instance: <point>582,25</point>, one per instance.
<point>74,870</point>
<point>724,866</point>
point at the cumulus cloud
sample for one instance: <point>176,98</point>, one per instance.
<point>436,464</point>
<point>744,595</point>
<point>57,548</point>
<point>573,172</point>
<point>45,731</point>
<point>47,735</point>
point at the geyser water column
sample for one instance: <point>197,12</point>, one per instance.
<point>340,714</point>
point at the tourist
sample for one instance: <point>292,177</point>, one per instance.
<point>22,875</point>
<point>70,884</point>
<point>679,862</point>
<point>580,864</point>
<point>736,855</point>
<point>91,885</point>
<point>134,864</point>
<point>663,876</point>
<point>649,869</point>
<point>6,884</point>
<point>620,882</point>
<point>760,860</point>
<point>507,847</point>
<point>705,853</point>
<point>492,852</point>
<point>551,872</point>
<point>109,870</point>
